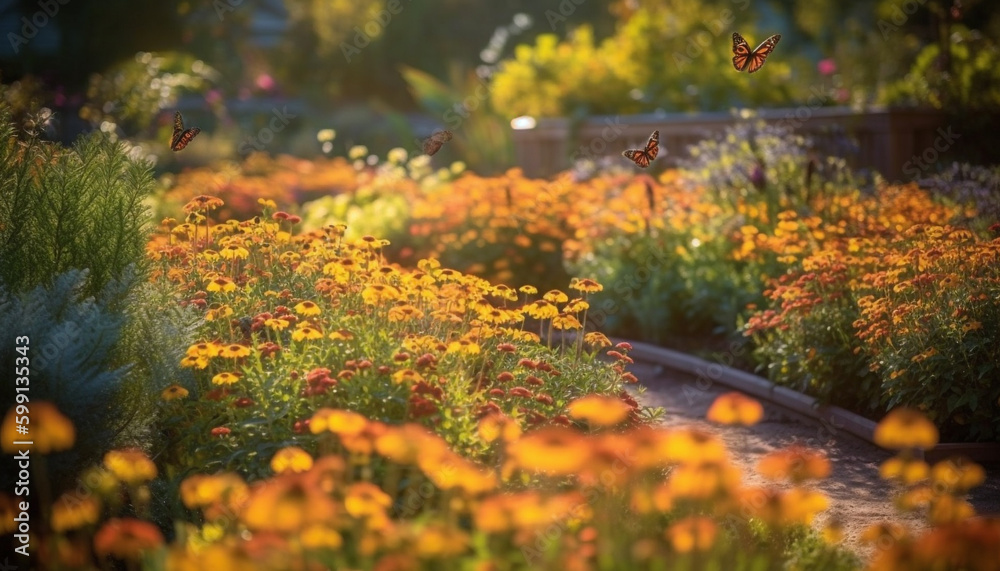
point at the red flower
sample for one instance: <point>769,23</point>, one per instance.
<point>220,431</point>
<point>544,399</point>
<point>505,377</point>
<point>497,392</point>
<point>520,392</point>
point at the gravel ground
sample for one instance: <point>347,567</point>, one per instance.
<point>858,496</point>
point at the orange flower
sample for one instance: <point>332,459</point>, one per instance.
<point>494,426</point>
<point>130,465</point>
<point>203,490</point>
<point>599,410</point>
<point>366,499</point>
<point>291,459</point>
<point>958,475</point>
<point>692,446</point>
<point>341,422</point>
<point>174,392</point>
<point>49,431</point>
<point>127,538</point>
<point>693,533</point>
<point>794,463</point>
<point>553,450</point>
<point>906,470</point>
<point>905,428</point>
<point>735,408</point>
<point>287,503</point>
<point>71,512</point>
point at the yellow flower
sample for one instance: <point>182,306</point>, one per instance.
<point>585,285</point>
<point>563,321</point>
<point>234,351</point>
<point>276,323</point>
<point>291,459</point>
<point>306,332</point>
<point>553,450</point>
<point>130,465</point>
<point>494,426</point>
<point>72,511</point>
<point>320,537</point>
<point>528,290</point>
<point>307,308</point>
<point>599,410</point>
<point>174,392</point>
<point>555,296</point>
<point>906,470</point>
<point>194,362</point>
<point>906,428</point>
<point>342,422</point>
<point>464,347</point>
<point>223,284</point>
<point>49,430</point>
<point>596,340</point>
<point>225,378</point>
<point>234,251</point>
<point>735,408</point>
<point>795,463</point>
<point>693,533</point>
<point>366,499</point>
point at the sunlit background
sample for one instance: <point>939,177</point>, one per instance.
<point>384,74</point>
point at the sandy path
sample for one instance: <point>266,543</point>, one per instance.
<point>858,496</point>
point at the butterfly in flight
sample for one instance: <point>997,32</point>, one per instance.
<point>181,136</point>
<point>642,157</point>
<point>433,143</point>
<point>751,61</point>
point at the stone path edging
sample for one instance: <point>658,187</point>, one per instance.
<point>832,418</point>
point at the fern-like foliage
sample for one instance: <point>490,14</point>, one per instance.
<point>72,340</point>
<point>63,209</point>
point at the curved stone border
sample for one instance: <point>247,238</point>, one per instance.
<point>832,418</point>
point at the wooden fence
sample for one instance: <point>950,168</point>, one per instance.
<point>880,139</point>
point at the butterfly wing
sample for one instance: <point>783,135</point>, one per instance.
<point>653,145</point>
<point>184,138</point>
<point>431,146</point>
<point>642,157</point>
<point>181,136</point>
<point>741,52</point>
<point>757,57</point>
<point>433,143</point>
<point>637,156</point>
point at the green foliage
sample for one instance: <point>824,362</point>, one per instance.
<point>967,77</point>
<point>62,209</point>
<point>482,136</point>
<point>131,94</point>
<point>669,55</point>
<point>72,339</point>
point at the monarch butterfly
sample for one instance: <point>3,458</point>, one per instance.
<point>751,61</point>
<point>642,157</point>
<point>433,143</point>
<point>181,136</point>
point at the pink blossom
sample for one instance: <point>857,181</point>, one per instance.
<point>826,66</point>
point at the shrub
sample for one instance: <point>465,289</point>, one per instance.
<point>63,209</point>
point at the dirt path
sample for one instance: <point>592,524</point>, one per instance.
<point>858,496</point>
